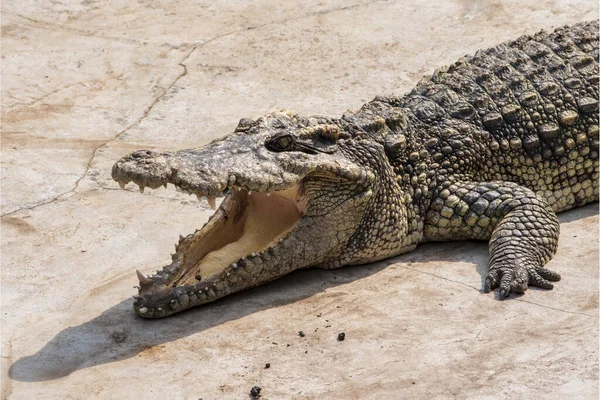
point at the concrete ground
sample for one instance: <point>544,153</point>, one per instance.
<point>84,83</point>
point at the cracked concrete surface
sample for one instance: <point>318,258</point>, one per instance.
<point>85,82</point>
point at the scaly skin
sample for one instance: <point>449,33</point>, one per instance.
<point>490,148</point>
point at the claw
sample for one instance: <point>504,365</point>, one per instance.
<point>488,285</point>
<point>122,185</point>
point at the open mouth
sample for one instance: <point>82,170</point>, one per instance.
<point>244,224</point>
<point>207,264</point>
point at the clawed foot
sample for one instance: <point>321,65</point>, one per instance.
<point>516,279</point>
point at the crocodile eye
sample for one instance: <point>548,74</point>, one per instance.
<point>280,143</point>
<point>284,142</point>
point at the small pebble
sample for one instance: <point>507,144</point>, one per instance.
<point>255,391</point>
<point>267,365</point>
<point>341,336</point>
<point>301,334</point>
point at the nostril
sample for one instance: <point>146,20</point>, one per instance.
<point>139,302</point>
<point>142,154</point>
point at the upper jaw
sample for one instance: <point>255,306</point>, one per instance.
<point>207,171</point>
<point>237,161</point>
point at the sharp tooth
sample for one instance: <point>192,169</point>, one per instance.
<point>268,194</point>
<point>165,185</point>
<point>249,192</point>
<point>141,189</point>
<point>143,310</point>
<point>159,309</point>
<point>212,202</point>
<point>142,278</point>
<point>122,185</point>
<point>199,198</point>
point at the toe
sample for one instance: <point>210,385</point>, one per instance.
<point>548,275</point>
<point>519,284</point>
<point>506,280</point>
<point>491,281</point>
<point>536,280</point>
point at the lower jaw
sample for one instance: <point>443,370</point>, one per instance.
<point>220,254</point>
<point>180,299</point>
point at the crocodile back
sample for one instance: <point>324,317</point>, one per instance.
<point>524,111</point>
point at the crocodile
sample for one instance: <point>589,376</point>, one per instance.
<point>488,148</point>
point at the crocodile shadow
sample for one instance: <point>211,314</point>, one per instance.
<point>118,334</point>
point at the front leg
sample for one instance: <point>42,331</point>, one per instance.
<point>522,230</point>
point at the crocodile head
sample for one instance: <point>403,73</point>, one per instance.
<point>296,194</point>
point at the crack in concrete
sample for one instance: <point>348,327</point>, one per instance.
<point>454,341</point>
<point>479,290</point>
<point>60,196</point>
<point>56,27</point>
<point>478,336</point>
<point>440,277</point>
<point>116,137</point>
<point>32,102</point>
<point>322,12</point>
<point>554,308</point>
<point>94,33</point>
